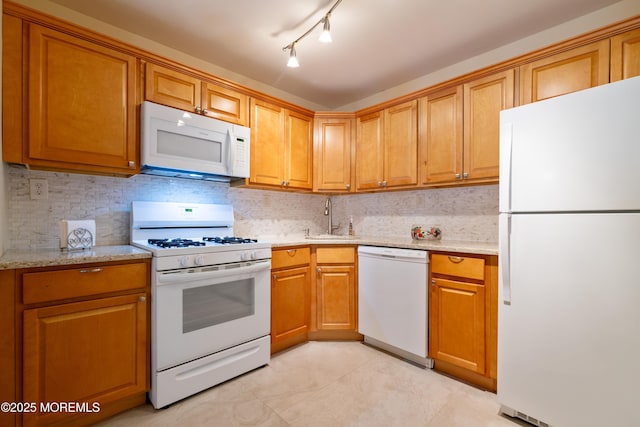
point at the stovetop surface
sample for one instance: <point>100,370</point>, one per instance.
<point>196,245</point>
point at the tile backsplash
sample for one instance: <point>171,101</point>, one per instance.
<point>469,213</point>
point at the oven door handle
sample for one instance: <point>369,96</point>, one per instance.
<point>206,273</point>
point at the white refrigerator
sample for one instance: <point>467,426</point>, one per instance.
<point>569,245</point>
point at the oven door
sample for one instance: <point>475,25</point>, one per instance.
<point>197,312</point>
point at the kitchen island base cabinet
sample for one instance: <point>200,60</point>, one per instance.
<point>463,317</point>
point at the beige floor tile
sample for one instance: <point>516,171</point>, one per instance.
<point>329,384</point>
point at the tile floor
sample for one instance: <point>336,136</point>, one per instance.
<point>329,384</point>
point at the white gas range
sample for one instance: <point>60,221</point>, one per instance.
<point>210,293</point>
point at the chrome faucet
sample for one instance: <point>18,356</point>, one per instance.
<point>329,214</point>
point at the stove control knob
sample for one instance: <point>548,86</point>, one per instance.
<point>199,260</point>
<point>244,256</point>
<point>254,255</point>
<point>183,261</point>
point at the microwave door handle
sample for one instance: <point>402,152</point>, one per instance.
<point>231,155</point>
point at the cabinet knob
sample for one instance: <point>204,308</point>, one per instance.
<point>198,109</point>
<point>384,183</point>
<point>465,175</point>
<point>433,282</point>
<point>142,298</point>
<point>348,186</point>
<point>132,164</point>
<point>457,176</point>
<point>319,270</point>
<point>283,183</point>
<point>379,183</point>
<point>275,277</point>
<point>205,111</point>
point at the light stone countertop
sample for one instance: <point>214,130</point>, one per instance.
<point>479,248</point>
<point>13,259</point>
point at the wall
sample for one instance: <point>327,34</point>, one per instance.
<point>463,213</point>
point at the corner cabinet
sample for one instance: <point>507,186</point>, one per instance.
<point>290,297</point>
<point>84,337</point>
<point>463,316</point>
<point>333,152</point>
<point>188,92</point>
<point>281,147</point>
<point>387,148</point>
<point>79,98</point>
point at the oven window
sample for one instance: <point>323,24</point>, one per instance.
<point>211,305</point>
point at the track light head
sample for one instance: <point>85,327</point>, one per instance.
<point>293,61</point>
<point>325,37</point>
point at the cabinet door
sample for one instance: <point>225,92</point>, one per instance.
<point>457,324</point>
<point>91,351</point>
<point>332,160</point>
<point>267,143</point>
<point>290,303</point>
<point>298,151</point>
<point>401,145</point>
<point>441,136</point>
<point>336,293</point>
<point>82,104</point>
<point>483,100</point>
<point>369,152</point>
<point>566,72</point>
<point>225,104</point>
<point>172,88</point>
<point>625,55</point>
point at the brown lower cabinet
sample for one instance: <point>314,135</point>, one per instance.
<point>290,297</point>
<point>463,316</point>
<point>313,295</point>
<point>81,343</point>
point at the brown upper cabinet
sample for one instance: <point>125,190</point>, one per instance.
<point>281,147</point>
<point>460,130</point>
<point>80,101</point>
<point>387,148</point>
<point>186,92</point>
<point>576,69</point>
<point>625,55</point>
<point>333,137</point>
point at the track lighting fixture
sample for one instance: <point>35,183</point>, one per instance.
<point>293,61</point>
<point>325,37</point>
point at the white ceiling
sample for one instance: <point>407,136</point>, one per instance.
<point>377,44</point>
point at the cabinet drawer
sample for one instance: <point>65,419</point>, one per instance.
<point>289,257</point>
<point>457,265</point>
<point>346,255</point>
<point>79,282</point>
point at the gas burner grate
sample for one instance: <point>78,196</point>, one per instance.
<point>175,243</point>
<point>228,240</point>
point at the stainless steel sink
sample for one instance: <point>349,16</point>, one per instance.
<point>331,237</point>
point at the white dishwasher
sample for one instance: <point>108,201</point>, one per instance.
<point>393,301</point>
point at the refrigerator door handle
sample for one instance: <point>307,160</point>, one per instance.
<point>506,155</point>
<point>505,257</point>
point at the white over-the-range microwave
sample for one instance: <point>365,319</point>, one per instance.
<point>180,144</point>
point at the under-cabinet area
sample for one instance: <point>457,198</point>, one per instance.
<point>79,336</point>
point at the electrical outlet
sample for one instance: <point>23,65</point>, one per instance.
<point>38,189</point>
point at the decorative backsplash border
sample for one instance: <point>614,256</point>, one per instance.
<point>467,213</point>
